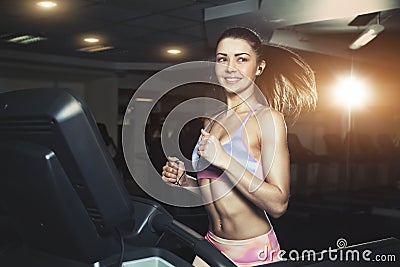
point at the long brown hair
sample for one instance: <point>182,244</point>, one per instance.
<point>287,82</point>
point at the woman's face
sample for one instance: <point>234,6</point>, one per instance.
<point>236,64</point>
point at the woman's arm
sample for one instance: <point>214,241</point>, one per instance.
<point>271,193</point>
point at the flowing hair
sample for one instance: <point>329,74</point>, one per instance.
<point>287,82</point>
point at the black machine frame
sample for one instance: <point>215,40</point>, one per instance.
<point>63,192</point>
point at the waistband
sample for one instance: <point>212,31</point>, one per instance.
<point>239,242</point>
<point>249,252</point>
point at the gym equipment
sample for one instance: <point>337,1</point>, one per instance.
<point>64,196</point>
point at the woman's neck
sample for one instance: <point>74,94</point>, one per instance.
<point>240,102</point>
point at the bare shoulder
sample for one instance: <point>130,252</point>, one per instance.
<point>266,114</point>
<point>269,118</point>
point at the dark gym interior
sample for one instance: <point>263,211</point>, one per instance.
<point>345,171</point>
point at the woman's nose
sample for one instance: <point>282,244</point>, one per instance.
<point>230,67</point>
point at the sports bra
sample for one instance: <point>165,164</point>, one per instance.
<point>236,147</point>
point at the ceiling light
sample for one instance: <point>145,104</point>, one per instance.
<point>47,4</point>
<point>26,39</point>
<point>144,99</point>
<point>95,48</point>
<point>174,51</point>
<point>19,38</point>
<point>91,40</point>
<point>370,33</point>
<point>33,39</point>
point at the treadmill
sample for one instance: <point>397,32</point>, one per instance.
<point>64,197</point>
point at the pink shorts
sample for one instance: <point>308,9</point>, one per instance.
<point>254,251</point>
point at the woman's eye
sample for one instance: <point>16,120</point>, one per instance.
<point>242,59</point>
<point>221,59</point>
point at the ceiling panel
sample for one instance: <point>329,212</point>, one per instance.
<point>192,12</point>
<point>218,2</point>
<point>121,32</point>
<point>140,29</point>
<point>197,31</point>
<point>306,11</point>
<point>168,38</point>
<point>151,6</point>
<point>113,13</point>
<point>161,22</point>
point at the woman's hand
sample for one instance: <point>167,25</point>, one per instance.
<point>174,171</point>
<point>210,149</point>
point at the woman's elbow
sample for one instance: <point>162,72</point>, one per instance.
<point>279,210</point>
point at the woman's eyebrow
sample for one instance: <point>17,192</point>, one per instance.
<point>236,55</point>
<point>240,54</point>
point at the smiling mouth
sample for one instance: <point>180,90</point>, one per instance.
<point>232,79</point>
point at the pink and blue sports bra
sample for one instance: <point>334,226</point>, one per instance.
<point>236,147</point>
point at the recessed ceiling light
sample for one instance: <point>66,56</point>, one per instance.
<point>46,4</point>
<point>174,51</point>
<point>91,40</point>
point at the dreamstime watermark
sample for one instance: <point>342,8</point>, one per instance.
<point>340,253</point>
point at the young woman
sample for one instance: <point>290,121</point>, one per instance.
<point>247,177</point>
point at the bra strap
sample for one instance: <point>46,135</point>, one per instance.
<point>212,120</point>
<point>252,110</point>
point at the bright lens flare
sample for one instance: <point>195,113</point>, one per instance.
<point>47,4</point>
<point>351,92</point>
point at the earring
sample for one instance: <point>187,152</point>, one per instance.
<point>260,69</point>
